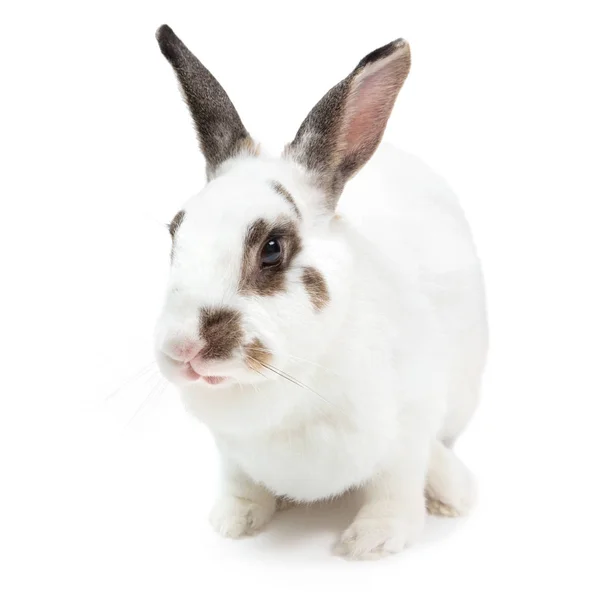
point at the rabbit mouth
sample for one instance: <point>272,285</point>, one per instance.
<point>193,374</point>
<point>250,362</point>
<point>213,380</point>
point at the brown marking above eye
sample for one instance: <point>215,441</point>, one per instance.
<point>270,280</point>
<point>316,287</point>
<point>221,330</point>
<point>257,354</point>
<point>257,233</point>
<point>278,187</point>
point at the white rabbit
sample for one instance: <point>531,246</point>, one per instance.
<point>330,341</point>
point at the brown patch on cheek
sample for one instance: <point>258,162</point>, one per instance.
<point>268,281</point>
<point>316,287</point>
<point>221,330</point>
<point>256,354</point>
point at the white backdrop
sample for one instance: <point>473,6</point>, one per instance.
<point>98,152</point>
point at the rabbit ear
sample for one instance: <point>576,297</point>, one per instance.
<point>220,130</point>
<point>344,129</point>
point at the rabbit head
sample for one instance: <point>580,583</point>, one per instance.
<point>260,266</point>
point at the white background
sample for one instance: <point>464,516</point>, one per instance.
<point>98,153</point>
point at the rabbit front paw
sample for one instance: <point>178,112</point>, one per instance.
<point>378,533</point>
<point>234,517</point>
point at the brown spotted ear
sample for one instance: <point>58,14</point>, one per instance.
<point>344,129</point>
<point>220,130</point>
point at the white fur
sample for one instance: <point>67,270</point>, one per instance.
<point>394,360</point>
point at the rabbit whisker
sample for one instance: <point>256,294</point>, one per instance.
<point>157,390</point>
<point>308,362</point>
<point>256,370</point>
<point>295,381</point>
<point>130,380</point>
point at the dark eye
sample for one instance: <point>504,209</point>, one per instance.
<point>271,253</point>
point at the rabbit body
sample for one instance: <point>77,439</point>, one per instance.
<point>326,321</point>
<point>401,356</point>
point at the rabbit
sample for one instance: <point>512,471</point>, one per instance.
<point>331,335</point>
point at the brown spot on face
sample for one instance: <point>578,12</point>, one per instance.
<point>316,287</point>
<point>268,280</point>
<point>257,233</point>
<point>278,187</point>
<point>176,222</point>
<point>221,330</point>
<point>173,227</point>
<point>256,354</point>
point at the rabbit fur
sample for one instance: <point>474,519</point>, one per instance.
<point>328,328</point>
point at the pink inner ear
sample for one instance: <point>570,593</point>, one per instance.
<point>369,106</point>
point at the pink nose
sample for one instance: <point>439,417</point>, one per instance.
<point>184,350</point>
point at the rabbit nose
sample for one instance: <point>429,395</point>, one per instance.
<point>182,350</point>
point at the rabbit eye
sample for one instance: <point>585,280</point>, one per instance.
<point>271,253</point>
